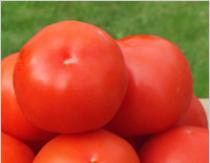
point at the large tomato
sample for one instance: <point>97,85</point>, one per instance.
<point>179,145</point>
<point>195,115</point>
<point>13,120</point>
<point>159,89</point>
<point>14,151</point>
<point>96,147</point>
<point>70,77</point>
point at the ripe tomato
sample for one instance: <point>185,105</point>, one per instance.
<point>13,120</point>
<point>75,76</point>
<point>100,146</point>
<point>179,145</point>
<point>159,89</point>
<point>14,151</point>
<point>195,115</point>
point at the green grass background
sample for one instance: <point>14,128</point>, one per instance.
<point>184,23</point>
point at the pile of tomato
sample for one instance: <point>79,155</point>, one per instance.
<point>73,94</point>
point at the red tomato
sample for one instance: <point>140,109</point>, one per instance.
<point>195,115</point>
<point>96,147</point>
<point>13,120</point>
<point>179,145</point>
<point>159,89</point>
<point>70,77</point>
<point>14,151</point>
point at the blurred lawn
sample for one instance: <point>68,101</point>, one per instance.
<point>185,23</point>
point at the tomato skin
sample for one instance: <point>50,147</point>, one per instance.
<point>14,151</point>
<point>98,146</point>
<point>195,115</point>
<point>75,83</point>
<point>178,145</point>
<point>13,120</point>
<point>159,86</point>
